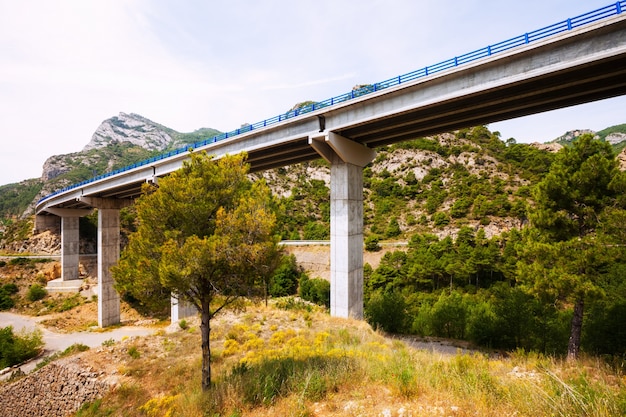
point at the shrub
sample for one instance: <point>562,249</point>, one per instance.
<point>10,288</point>
<point>16,348</point>
<point>285,279</point>
<point>19,261</point>
<point>449,315</point>
<point>6,302</point>
<point>387,311</point>
<point>372,243</point>
<point>315,290</point>
<point>441,219</point>
<point>36,292</point>
<point>133,352</point>
<point>316,231</point>
<point>393,228</point>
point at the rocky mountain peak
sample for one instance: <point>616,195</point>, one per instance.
<point>130,128</point>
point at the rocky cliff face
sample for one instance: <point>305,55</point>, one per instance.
<point>130,128</point>
<point>616,138</point>
<point>122,129</point>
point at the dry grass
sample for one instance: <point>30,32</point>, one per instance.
<point>274,362</point>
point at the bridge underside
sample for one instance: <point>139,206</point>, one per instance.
<point>565,88</point>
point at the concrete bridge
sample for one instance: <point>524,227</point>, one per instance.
<point>575,61</point>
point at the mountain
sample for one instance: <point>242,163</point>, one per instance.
<point>118,141</point>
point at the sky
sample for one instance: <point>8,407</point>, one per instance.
<point>68,65</point>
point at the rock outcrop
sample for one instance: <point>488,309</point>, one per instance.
<point>550,147</point>
<point>130,128</point>
<point>571,136</point>
<point>616,138</point>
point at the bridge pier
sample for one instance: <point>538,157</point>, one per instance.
<point>69,248</point>
<point>70,244</point>
<point>347,159</point>
<point>180,309</point>
<point>108,255</point>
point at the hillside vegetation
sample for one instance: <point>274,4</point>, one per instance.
<point>462,201</point>
<point>510,247</point>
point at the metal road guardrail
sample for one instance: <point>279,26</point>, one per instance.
<point>526,38</point>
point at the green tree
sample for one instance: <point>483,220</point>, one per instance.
<point>205,235</point>
<point>566,259</point>
<point>387,311</point>
<point>284,281</point>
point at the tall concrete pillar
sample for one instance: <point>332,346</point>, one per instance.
<point>69,248</point>
<point>346,239</point>
<point>108,255</point>
<point>44,222</point>
<point>347,159</point>
<point>181,309</point>
<point>70,242</point>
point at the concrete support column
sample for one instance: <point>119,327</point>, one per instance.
<point>347,159</point>
<point>108,255</point>
<point>43,223</point>
<point>70,243</point>
<point>346,240</point>
<point>69,248</point>
<point>181,309</point>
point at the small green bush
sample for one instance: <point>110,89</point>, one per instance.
<point>372,243</point>
<point>386,311</point>
<point>10,288</point>
<point>285,279</point>
<point>19,261</point>
<point>15,348</point>
<point>133,352</point>
<point>108,342</point>
<point>36,292</point>
<point>6,291</point>
<point>6,302</point>
<point>315,290</point>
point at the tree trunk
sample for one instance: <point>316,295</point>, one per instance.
<point>575,334</point>
<point>205,329</point>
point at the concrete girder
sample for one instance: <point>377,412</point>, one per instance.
<point>331,144</point>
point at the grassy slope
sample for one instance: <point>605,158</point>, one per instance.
<point>269,361</point>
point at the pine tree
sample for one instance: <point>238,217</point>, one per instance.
<point>205,235</point>
<point>564,255</point>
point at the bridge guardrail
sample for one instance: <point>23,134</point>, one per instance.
<point>529,37</point>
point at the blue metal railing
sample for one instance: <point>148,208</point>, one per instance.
<point>526,38</point>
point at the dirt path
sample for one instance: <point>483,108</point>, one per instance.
<point>55,342</point>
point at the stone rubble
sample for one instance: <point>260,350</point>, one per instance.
<point>56,390</point>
